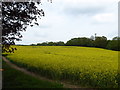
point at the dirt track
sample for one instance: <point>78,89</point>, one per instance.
<point>65,84</point>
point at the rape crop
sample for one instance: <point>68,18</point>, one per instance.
<point>88,67</point>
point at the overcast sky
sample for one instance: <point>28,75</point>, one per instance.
<point>66,19</point>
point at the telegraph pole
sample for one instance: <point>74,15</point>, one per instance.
<point>95,35</point>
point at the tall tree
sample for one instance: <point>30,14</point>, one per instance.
<point>16,16</point>
<point>83,41</point>
<point>100,42</point>
<point>114,44</point>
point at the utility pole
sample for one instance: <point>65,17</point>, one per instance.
<point>95,35</point>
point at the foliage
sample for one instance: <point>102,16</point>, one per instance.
<point>88,67</point>
<point>100,42</point>
<point>114,44</point>
<point>60,43</point>
<point>16,16</point>
<point>83,41</point>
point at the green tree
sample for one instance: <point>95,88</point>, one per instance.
<point>83,41</point>
<point>100,42</point>
<point>33,44</point>
<point>16,16</point>
<point>114,44</point>
<point>60,43</point>
<point>51,44</point>
<point>44,44</point>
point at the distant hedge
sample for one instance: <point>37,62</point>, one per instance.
<point>99,42</point>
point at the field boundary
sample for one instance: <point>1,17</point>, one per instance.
<point>65,84</point>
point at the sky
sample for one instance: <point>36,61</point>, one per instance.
<point>66,19</point>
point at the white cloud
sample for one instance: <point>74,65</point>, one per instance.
<point>66,19</point>
<point>87,1</point>
<point>104,17</point>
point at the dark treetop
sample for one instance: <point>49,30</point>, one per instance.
<point>16,16</point>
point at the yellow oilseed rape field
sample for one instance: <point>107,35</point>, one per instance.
<point>84,66</point>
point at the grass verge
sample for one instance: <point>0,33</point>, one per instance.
<point>13,78</point>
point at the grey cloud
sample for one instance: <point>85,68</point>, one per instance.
<point>83,10</point>
<point>40,35</point>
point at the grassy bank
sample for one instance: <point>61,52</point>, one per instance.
<point>13,78</point>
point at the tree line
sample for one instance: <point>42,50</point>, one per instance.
<point>98,41</point>
<point>60,43</point>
